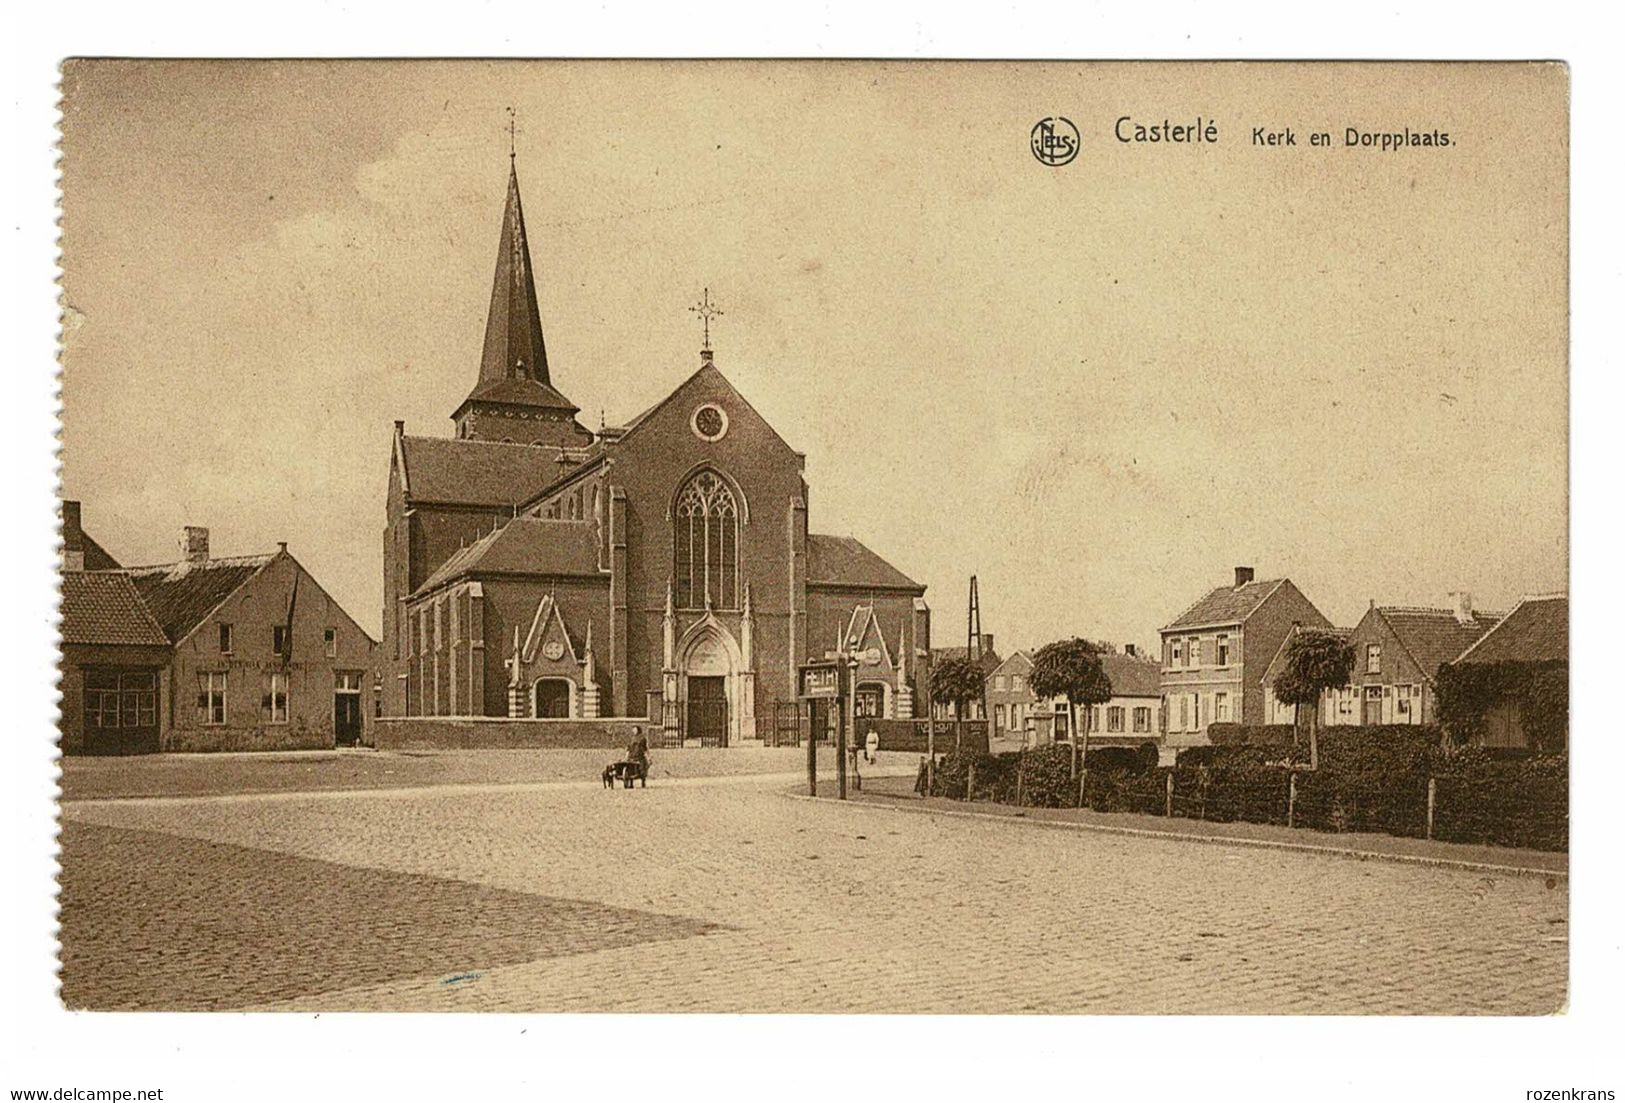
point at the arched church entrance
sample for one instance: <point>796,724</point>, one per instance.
<point>709,670</point>
<point>553,698</point>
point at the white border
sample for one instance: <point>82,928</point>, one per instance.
<point>422,1057</point>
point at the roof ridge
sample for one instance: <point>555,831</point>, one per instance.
<point>212,561</point>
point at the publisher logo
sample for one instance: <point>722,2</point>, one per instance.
<point>1054,141</point>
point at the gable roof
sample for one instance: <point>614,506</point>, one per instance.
<point>181,596</point>
<point>844,561</point>
<point>1131,676</point>
<point>1022,659</point>
<point>476,472</point>
<point>105,607</point>
<point>524,546</point>
<point>1434,636</point>
<point>1537,630</point>
<point>990,657</point>
<point>1226,605</point>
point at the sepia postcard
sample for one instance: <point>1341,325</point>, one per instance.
<point>814,536</point>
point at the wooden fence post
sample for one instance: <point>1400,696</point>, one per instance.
<point>1433,790</point>
<point>970,780</point>
<point>1021,774</point>
<point>1291,796</point>
<point>1168,796</point>
<point>1201,806</point>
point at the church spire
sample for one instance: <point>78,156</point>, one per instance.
<point>513,328</point>
<point>514,400</point>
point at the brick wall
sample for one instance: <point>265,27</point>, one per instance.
<point>396,733</point>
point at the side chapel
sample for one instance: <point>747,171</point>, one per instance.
<point>663,568</point>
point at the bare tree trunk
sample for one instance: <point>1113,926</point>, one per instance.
<point>1072,718</point>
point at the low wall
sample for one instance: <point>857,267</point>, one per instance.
<point>911,735</point>
<point>480,733</point>
<point>278,737</point>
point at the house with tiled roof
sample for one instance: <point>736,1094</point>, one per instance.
<point>1398,650</point>
<point>1214,654</point>
<point>112,663</point>
<point>1533,638</point>
<point>662,568</point>
<point>206,653</point>
<point>1131,717</point>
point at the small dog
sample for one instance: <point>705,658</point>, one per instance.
<point>611,772</point>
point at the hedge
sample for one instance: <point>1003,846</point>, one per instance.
<point>1370,779</point>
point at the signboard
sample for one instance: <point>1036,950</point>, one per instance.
<point>820,681</point>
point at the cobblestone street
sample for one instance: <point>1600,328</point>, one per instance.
<point>729,895</point>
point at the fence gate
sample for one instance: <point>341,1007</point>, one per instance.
<point>786,724</point>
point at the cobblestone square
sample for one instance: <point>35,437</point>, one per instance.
<point>727,894</point>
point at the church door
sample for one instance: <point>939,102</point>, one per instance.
<point>708,711</point>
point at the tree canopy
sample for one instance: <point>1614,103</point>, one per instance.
<point>955,680</point>
<point>1316,661</point>
<point>1070,669</point>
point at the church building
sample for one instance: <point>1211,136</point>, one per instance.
<point>662,569</point>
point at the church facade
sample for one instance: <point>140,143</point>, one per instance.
<point>662,569</point>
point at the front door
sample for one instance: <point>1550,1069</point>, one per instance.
<point>346,708</point>
<point>1373,706</point>
<point>708,710</point>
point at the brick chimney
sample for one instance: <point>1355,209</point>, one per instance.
<point>1461,603</point>
<point>73,537</point>
<point>1244,575</point>
<point>195,544</point>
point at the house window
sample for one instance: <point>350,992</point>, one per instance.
<point>1114,718</point>
<point>225,639</point>
<point>274,705</point>
<point>1176,652</point>
<point>1373,658</point>
<point>211,696</point>
<point>1221,706</point>
<point>869,701</point>
<point>330,642</point>
<point>1017,682</point>
<point>279,639</point>
<point>999,717</point>
<point>1142,719</point>
<point>1184,712</point>
<point>1001,682</point>
<point>1094,718</point>
<point>1224,650</point>
<point>121,700</point>
<point>1062,721</point>
<point>1193,652</point>
<point>1404,701</point>
<point>706,539</point>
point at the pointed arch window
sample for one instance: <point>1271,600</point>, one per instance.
<point>706,538</point>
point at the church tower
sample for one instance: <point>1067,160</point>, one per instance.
<point>514,399</point>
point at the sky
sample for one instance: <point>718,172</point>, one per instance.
<point>1098,386</point>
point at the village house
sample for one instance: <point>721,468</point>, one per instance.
<point>987,658</point>
<point>1533,637</point>
<point>1397,654</point>
<point>1131,717</point>
<point>1214,654</point>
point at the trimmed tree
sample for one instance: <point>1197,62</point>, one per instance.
<point>955,681</point>
<point>1072,669</point>
<point>1316,661</point>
